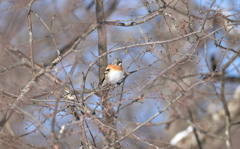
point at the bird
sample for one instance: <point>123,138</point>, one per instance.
<point>113,73</point>
<point>214,63</point>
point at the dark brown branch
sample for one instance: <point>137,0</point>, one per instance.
<point>31,34</point>
<point>224,102</point>
<point>108,111</point>
<point>194,129</point>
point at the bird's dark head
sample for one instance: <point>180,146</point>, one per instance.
<point>117,62</point>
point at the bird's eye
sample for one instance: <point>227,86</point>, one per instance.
<point>107,69</point>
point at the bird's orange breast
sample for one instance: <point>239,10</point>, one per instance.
<point>117,68</point>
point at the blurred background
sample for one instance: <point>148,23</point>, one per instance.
<point>189,79</point>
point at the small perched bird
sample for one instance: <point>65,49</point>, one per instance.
<point>214,63</point>
<point>113,73</point>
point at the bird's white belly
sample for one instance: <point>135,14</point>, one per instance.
<point>115,76</point>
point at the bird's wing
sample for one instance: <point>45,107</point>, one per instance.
<point>104,81</point>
